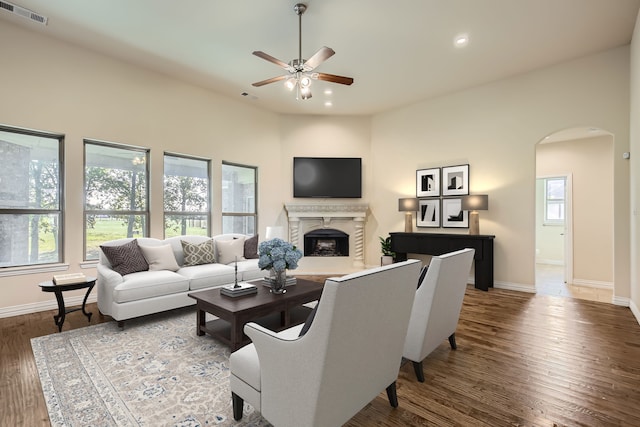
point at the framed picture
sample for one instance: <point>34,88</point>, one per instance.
<point>428,182</point>
<point>452,214</point>
<point>428,213</point>
<point>455,180</point>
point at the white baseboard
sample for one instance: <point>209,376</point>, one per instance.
<point>531,289</point>
<point>592,284</point>
<point>550,261</point>
<point>17,310</point>
<point>621,301</point>
<point>634,310</point>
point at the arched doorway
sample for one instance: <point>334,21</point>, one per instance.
<point>574,214</point>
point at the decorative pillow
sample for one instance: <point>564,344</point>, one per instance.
<point>251,247</point>
<point>160,257</point>
<point>126,258</point>
<point>423,273</point>
<point>198,254</point>
<point>230,250</point>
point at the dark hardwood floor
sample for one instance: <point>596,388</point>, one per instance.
<point>522,360</point>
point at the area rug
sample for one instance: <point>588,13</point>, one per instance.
<point>155,372</point>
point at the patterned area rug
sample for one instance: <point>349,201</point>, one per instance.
<point>155,372</point>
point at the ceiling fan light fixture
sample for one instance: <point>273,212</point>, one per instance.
<point>305,81</point>
<point>301,70</point>
<point>290,83</point>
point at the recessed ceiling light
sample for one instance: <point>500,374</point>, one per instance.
<point>328,91</point>
<point>461,40</point>
<point>328,103</point>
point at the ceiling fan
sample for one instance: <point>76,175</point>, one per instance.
<point>301,70</point>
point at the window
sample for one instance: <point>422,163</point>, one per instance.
<point>116,194</point>
<point>186,196</point>
<point>239,199</point>
<point>554,203</point>
<point>30,197</point>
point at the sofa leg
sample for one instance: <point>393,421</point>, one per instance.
<point>392,395</point>
<point>452,341</point>
<point>238,403</point>
<point>417,367</point>
<point>121,324</point>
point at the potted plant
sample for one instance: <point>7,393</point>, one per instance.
<point>387,254</point>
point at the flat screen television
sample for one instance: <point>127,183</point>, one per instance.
<point>327,177</point>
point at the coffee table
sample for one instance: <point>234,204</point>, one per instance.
<point>277,312</point>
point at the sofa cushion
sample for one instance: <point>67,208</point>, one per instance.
<point>149,284</point>
<point>251,247</point>
<point>160,257</point>
<point>208,275</point>
<point>126,258</point>
<point>230,250</point>
<point>197,254</point>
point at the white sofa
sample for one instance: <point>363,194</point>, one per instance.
<point>145,292</point>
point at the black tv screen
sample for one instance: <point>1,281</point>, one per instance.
<point>329,177</point>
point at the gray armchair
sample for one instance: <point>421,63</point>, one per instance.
<point>436,307</point>
<point>351,352</point>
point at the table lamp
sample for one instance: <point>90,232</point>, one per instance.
<point>273,232</point>
<point>408,206</point>
<point>475,203</point>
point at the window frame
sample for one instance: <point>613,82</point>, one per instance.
<point>206,213</point>
<point>60,211</point>
<point>254,214</point>
<point>547,202</point>
<point>86,212</point>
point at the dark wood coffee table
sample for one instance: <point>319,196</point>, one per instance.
<point>277,312</point>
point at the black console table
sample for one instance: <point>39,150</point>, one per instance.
<point>440,243</point>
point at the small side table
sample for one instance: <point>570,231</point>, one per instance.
<point>49,286</point>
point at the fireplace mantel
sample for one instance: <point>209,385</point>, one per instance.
<point>355,212</point>
<point>317,210</point>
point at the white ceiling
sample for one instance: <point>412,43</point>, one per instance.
<point>399,52</point>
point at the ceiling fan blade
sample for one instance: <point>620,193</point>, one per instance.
<point>335,79</point>
<point>271,80</point>
<point>270,58</point>
<point>319,57</point>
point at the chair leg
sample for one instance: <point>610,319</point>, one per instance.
<point>452,341</point>
<point>417,367</point>
<point>238,403</point>
<point>392,395</point>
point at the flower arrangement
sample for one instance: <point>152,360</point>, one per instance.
<point>278,255</point>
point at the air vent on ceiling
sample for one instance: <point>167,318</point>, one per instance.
<point>21,11</point>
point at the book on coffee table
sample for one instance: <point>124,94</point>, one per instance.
<point>290,281</point>
<point>238,290</point>
<point>68,279</point>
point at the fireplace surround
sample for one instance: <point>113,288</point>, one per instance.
<point>348,218</point>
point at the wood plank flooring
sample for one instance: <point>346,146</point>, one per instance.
<point>522,360</point>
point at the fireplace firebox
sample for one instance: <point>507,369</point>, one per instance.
<point>326,242</point>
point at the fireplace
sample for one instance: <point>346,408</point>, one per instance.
<point>326,242</point>
<point>306,218</point>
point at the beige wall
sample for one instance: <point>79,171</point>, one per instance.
<point>52,86</point>
<point>590,164</point>
<point>635,170</point>
<point>494,128</point>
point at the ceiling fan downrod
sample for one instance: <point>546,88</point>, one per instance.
<point>300,9</point>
